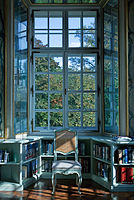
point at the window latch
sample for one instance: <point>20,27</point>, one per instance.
<point>65,92</point>
<point>32,90</point>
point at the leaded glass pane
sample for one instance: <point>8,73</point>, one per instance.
<point>56,101</point>
<point>74,64</point>
<point>41,119</point>
<point>41,64</point>
<point>74,101</point>
<point>89,101</point>
<point>41,101</point>
<point>74,119</point>
<point>56,82</point>
<point>56,119</point>
<point>56,64</point>
<point>74,82</point>
<point>89,82</point>
<point>89,119</point>
<point>41,82</point>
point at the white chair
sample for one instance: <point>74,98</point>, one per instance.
<point>65,143</point>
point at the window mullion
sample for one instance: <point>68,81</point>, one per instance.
<point>48,91</point>
<point>82,90</point>
<point>66,87</point>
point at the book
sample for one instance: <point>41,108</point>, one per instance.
<point>130,155</point>
<point>120,156</point>
<point>125,155</point>
<point>1,155</point>
<point>129,175</point>
<point>24,172</point>
<point>6,156</point>
<point>123,175</point>
<point>118,175</point>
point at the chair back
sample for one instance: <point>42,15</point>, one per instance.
<point>66,142</point>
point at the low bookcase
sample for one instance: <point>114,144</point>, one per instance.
<point>47,156</point>
<point>107,162</point>
<point>19,163</point>
<point>113,163</point>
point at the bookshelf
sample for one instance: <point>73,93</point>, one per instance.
<point>19,163</point>
<point>107,162</point>
<point>47,156</point>
<point>84,156</point>
<point>113,163</point>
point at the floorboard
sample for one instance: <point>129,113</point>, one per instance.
<point>66,190</point>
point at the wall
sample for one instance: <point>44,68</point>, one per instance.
<point>131,65</point>
<point>1,68</point>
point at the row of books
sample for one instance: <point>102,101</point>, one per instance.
<point>85,163</point>
<point>125,175</point>
<point>30,150</point>
<point>47,165</point>
<point>30,169</point>
<point>4,156</point>
<point>125,155</point>
<point>48,147</point>
<point>103,170</point>
<point>102,152</point>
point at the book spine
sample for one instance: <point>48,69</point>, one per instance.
<point>123,175</point>
<point>118,175</point>
<point>125,156</point>
<point>120,156</point>
<point>129,175</point>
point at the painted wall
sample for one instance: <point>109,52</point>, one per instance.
<point>1,68</point>
<point>131,65</point>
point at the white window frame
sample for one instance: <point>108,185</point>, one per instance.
<point>66,51</point>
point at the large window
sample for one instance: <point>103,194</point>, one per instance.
<point>64,70</point>
<point>111,67</point>
<point>20,68</point>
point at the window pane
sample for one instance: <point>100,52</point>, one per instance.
<point>41,23</point>
<point>74,22</point>
<point>56,101</point>
<point>89,119</point>
<point>56,119</point>
<point>74,81</point>
<point>55,40</point>
<point>89,82</point>
<point>74,119</point>
<point>89,64</point>
<point>116,101</point>
<point>55,23</point>
<point>108,118</point>
<point>22,43</point>
<point>41,64</point>
<point>41,101</point>
<point>56,64</point>
<point>89,101</point>
<point>89,23</point>
<point>41,82</point>
<point>74,101</point>
<point>108,65</point>
<point>108,83</point>
<point>89,40</point>
<point>75,40</point>
<point>56,82</point>
<point>107,41</point>
<point>108,100</point>
<point>74,64</point>
<point>41,119</point>
<point>41,40</point>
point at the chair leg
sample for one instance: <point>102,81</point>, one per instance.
<point>79,183</point>
<point>53,183</point>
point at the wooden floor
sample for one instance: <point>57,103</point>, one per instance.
<point>66,190</point>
